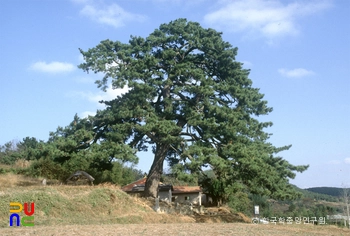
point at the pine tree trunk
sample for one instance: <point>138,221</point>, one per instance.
<point>153,178</point>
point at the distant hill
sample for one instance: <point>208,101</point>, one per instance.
<point>332,191</point>
<point>318,195</point>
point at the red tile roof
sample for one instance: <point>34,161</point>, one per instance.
<point>128,188</point>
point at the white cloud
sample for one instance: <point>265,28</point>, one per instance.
<point>86,114</point>
<point>296,73</point>
<point>269,18</point>
<point>52,67</point>
<point>347,160</point>
<point>247,64</point>
<point>81,58</point>
<point>110,94</point>
<point>112,15</point>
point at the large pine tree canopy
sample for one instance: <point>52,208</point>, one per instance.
<point>194,105</point>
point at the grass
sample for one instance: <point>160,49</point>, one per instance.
<point>67,205</point>
<point>10,180</point>
<point>106,210</point>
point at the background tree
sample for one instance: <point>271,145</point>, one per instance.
<point>8,153</point>
<point>12,151</point>
<point>79,146</point>
<point>193,103</point>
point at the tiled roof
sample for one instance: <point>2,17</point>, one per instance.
<point>163,187</point>
<point>128,188</point>
<point>187,189</point>
<point>175,189</point>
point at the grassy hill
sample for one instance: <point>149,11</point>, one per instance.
<point>68,205</point>
<point>57,205</point>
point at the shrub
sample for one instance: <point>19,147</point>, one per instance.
<point>47,168</point>
<point>240,202</point>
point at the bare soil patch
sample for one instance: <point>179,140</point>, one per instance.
<point>177,229</point>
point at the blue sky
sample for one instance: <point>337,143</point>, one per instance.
<point>298,52</point>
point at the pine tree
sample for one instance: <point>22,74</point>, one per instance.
<point>193,103</point>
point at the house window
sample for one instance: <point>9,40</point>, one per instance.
<point>187,198</point>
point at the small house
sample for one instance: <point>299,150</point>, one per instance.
<point>169,193</point>
<point>188,194</point>
<point>135,188</point>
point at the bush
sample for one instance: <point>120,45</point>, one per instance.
<point>119,174</point>
<point>240,202</point>
<point>47,168</point>
<point>3,171</point>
